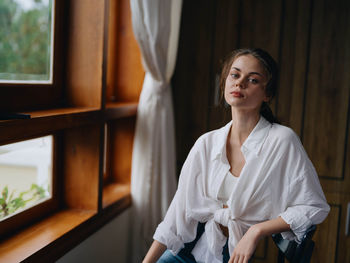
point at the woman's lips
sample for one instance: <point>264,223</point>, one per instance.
<point>237,94</point>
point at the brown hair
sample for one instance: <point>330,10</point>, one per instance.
<point>270,67</point>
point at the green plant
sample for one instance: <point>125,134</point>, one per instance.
<point>10,204</point>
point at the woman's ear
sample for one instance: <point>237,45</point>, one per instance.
<point>267,99</point>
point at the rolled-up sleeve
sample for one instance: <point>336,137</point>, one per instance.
<point>305,202</point>
<point>175,228</point>
<point>306,206</point>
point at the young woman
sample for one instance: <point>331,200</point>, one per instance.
<point>245,181</point>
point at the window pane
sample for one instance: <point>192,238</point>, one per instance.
<point>25,175</point>
<point>26,41</point>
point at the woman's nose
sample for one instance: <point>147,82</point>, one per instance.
<point>239,83</point>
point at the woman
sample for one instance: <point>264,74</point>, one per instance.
<point>245,181</point>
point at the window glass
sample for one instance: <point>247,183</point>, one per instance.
<point>26,41</point>
<point>25,175</point>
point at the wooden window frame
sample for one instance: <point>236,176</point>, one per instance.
<point>85,198</point>
<point>30,215</point>
<point>40,96</point>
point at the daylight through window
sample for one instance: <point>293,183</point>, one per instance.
<point>25,175</point>
<point>26,41</point>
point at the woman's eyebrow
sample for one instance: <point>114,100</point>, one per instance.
<point>250,73</point>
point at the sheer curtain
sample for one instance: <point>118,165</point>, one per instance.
<point>153,182</point>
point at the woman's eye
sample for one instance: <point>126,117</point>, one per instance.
<point>234,75</point>
<point>254,81</point>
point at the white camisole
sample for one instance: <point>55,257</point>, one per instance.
<point>226,187</point>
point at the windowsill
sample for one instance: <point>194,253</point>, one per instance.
<point>52,112</point>
<point>52,237</point>
<point>48,121</point>
<point>115,110</point>
<point>114,192</point>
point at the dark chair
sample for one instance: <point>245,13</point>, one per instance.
<point>294,252</point>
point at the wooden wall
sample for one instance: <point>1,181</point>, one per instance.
<point>310,40</point>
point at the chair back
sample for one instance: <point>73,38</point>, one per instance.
<point>294,252</point>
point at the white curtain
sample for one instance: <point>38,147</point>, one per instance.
<point>153,182</point>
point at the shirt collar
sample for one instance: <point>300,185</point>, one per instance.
<point>253,143</point>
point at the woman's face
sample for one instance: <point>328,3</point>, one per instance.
<point>245,84</point>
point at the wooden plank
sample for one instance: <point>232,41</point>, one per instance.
<point>47,122</point>
<point>332,245</point>
<point>120,110</point>
<point>266,252</point>
<point>226,39</point>
<point>326,237</point>
<point>327,97</point>
<point>85,53</point>
<point>36,237</point>
<point>120,144</point>
<point>81,167</point>
<point>114,192</point>
<point>192,76</point>
<point>293,63</point>
<point>51,238</point>
<point>125,72</point>
<point>258,31</point>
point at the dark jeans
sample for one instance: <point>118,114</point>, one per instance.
<point>185,255</point>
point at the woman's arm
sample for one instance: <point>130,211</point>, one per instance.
<point>246,246</point>
<point>154,253</point>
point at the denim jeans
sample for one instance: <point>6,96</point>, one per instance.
<point>185,255</point>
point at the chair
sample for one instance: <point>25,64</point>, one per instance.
<point>294,252</point>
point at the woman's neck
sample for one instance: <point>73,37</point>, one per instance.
<point>243,122</point>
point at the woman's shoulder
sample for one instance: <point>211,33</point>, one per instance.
<point>285,138</point>
<point>214,136</point>
<point>283,133</point>
<point>211,141</point>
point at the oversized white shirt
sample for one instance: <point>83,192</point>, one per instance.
<point>278,179</point>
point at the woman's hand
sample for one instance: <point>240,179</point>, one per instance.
<point>246,246</point>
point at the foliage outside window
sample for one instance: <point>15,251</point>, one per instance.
<point>25,175</point>
<point>26,41</point>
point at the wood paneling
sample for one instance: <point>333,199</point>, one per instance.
<point>293,63</point>
<point>328,88</point>
<point>261,25</point>
<point>332,245</point>
<point>193,73</point>
<point>326,238</point>
<point>258,31</point>
<point>266,251</point>
<point>226,38</point>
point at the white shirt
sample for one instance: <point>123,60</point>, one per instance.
<point>278,179</point>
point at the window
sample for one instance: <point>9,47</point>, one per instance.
<point>89,112</point>
<point>25,175</point>
<point>26,46</point>
<point>31,49</point>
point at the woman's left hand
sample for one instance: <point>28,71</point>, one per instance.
<point>246,246</point>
